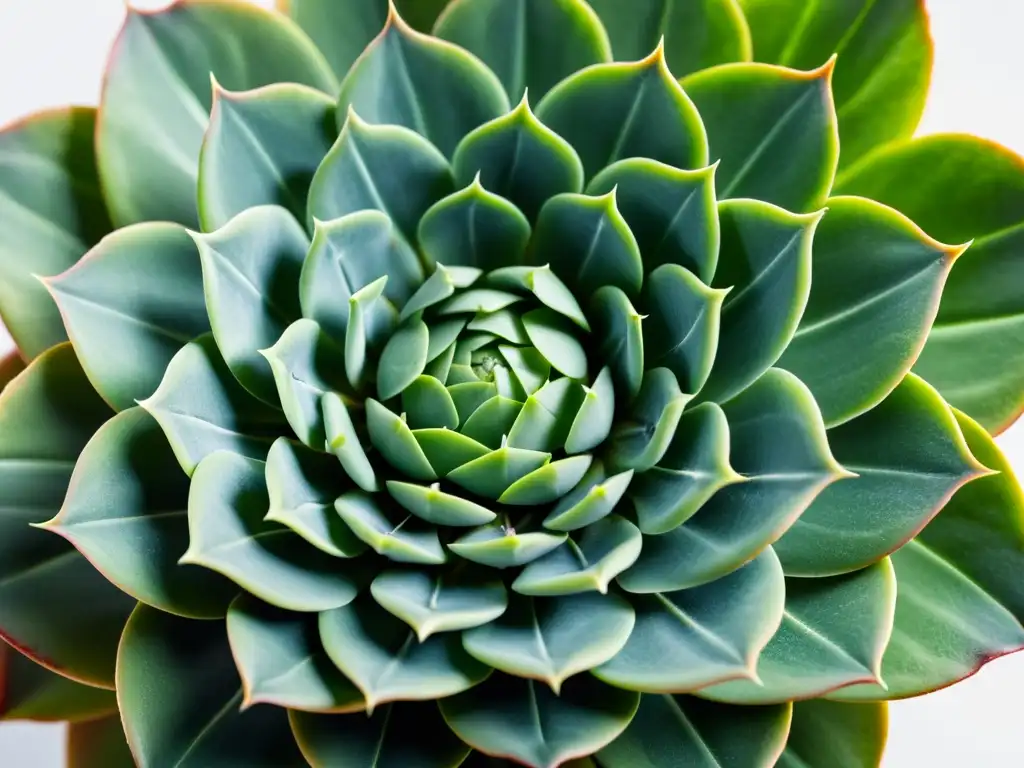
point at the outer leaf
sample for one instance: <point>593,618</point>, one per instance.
<point>262,148</point>
<point>959,603</point>
<point>833,735</point>
<point>382,657</point>
<point>884,68</point>
<point>766,260</point>
<point>202,408</point>
<point>407,78</point>
<point>47,415</point>
<point>550,39</point>
<point>519,158</point>
<point>302,485</point>
<point>521,720</point>
<point>341,31</point>
<point>980,325</point>
<point>671,731</point>
<point>553,639</point>
<point>179,696</point>
<point>474,228</point>
<point>672,213</point>
<point>778,442</point>
<point>227,503</point>
<point>157,96</point>
<point>696,35</point>
<point>129,305</point>
<point>611,112</point>
<point>693,638</point>
<point>32,692</point>
<point>875,285</point>
<point>818,648</point>
<point>251,271</point>
<point>399,735</point>
<point>126,511</point>
<point>98,743</point>
<point>282,662</point>
<point>380,167</point>
<point>773,129</point>
<point>909,457</point>
<point>53,212</point>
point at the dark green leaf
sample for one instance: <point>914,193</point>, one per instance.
<point>494,473</point>
<point>32,692</point>
<point>556,340</point>
<point>403,359</point>
<point>524,721</point>
<point>157,97</point>
<point>530,45</point>
<point>371,320</point>
<point>618,329</point>
<point>53,212</point>
<point>227,504</point>
<point>99,743</point>
<point>180,696</point>
<point>642,438</point>
<point>447,450</point>
<point>593,499</point>
<point>428,404</point>
<point>491,422</point>
<point>390,435</point>
<point>547,416</point>
<point>410,79</point>
<point>828,734</point>
<point>593,421</point>
<point>611,112</point>
<point>341,30</point>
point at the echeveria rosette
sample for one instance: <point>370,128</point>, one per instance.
<point>440,403</point>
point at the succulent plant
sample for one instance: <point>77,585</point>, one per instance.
<point>529,382</point>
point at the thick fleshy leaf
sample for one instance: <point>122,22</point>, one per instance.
<point>262,148</point>
<point>492,474</point>
<point>960,602</point>
<point>828,734</point>
<point>593,499</point>
<point>98,743</point>
<point>282,662</point>
<point>32,692</point>
<point>387,168</point>
<point>552,639</point>
<point>492,421</point>
<point>371,320</point>
<point>694,468</point>
<point>672,213</point>
<point>876,279</point>
<point>499,545</point>
<point>403,358</point>
<point>670,731</point>
<point>407,78</point>
<point>157,97</point>
<point>778,443</point>
<point>530,45</point>
<point>251,271</point>
<point>766,261</point>
<point>693,638</point>
<point>884,67</point>
<point>642,438</point>
<point>431,603</point>
<point>548,483</point>
<point>818,648</point>
<point>524,721</point>
<point>546,287</point>
<point>404,734</point>
<point>47,416</point>
<point>302,486</point>
<point>396,537</point>
<point>974,355</point>
<point>202,408</point>
<point>179,695</point>
<point>910,458</point>
<point>11,365</point>
<point>390,435</point>
<point>588,244</point>
<point>611,112</point>
<point>696,35</point>
<point>439,286</point>
<point>129,305</point>
<point>428,404</point>
<point>53,212</point>
<point>556,341</point>
<point>683,318</point>
<point>618,328</point>
<point>345,443</point>
<point>593,421</point>
<point>340,31</point>
<point>773,130</point>
<point>521,159</point>
<point>474,228</point>
<point>305,364</point>
<point>587,564</point>
<point>447,450</point>
<point>227,504</point>
<point>126,511</point>
<point>381,655</point>
<point>435,506</point>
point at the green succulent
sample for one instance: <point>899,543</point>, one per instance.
<point>548,389</point>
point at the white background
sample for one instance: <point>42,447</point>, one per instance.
<point>52,53</point>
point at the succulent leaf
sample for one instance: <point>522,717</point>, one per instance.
<point>32,692</point>
<point>823,728</point>
<point>98,743</point>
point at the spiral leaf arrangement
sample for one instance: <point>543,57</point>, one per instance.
<point>512,403</point>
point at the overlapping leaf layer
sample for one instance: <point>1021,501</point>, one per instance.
<point>474,398</point>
